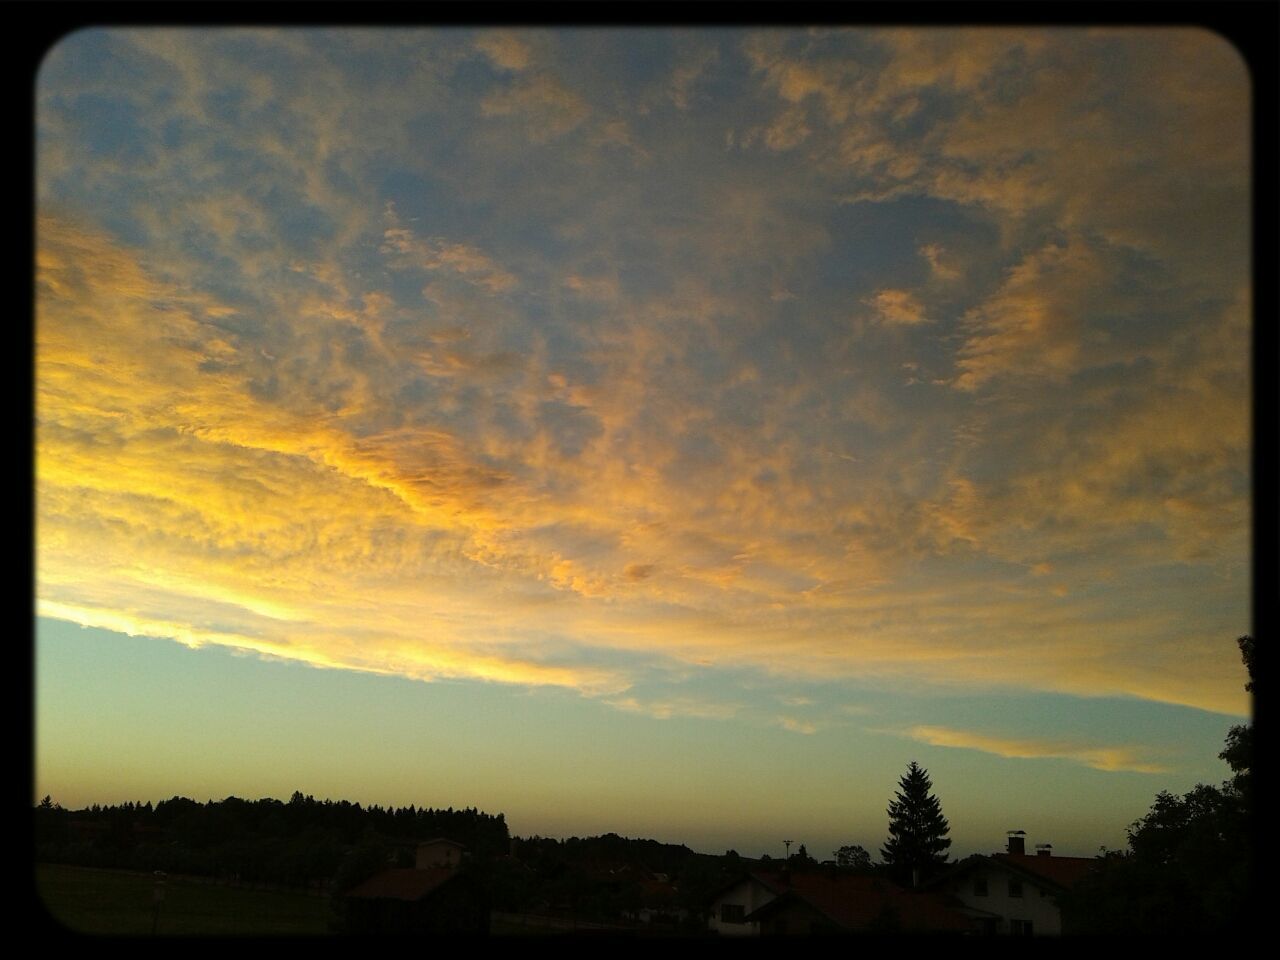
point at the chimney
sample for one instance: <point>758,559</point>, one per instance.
<point>1017,842</point>
<point>1044,849</point>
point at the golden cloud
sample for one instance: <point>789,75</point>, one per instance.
<point>505,49</point>
<point>1110,759</point>
<point>259,453</point>
<point>897,307</point>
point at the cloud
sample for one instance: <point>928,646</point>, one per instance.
<point>1027,126</point>
<point>1033,327</point>
<point>686,75</point>
<point>504,49</point>
<point>806,727</point>
<point>1110,759</point>
<point>331,358</point>
<point>405,250</point>
<point>666,708</point>
<point>796,701</point>
<point>544,107</point>
<point>596,288</point>
<point>181,485</point>
<point>787,132</point>
<point>897,307</point>
<point>939,269</point>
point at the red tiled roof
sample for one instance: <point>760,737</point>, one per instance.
<point>401,883</point>
<point>856,902</point>
<point>1063,871</point>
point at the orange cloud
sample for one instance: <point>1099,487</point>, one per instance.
<point>544,107</point>
<point>408,250</point>
<point>897,307</point>
<point>505,49</point>
<point>313,445</point>
<point>1099,758</point>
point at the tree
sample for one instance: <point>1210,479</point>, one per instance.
<point>918,840</point>
<point>1238,751</point>
<point>853,857</point>
<point>1188,867</point>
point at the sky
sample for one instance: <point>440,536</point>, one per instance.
<point>672,432</point>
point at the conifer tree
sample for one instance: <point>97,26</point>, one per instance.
<point>917,829</point>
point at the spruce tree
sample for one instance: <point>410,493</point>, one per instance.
<point>917,829</point>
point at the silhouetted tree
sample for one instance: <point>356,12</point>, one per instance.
<point>853,857</point>
<point>1188,866</point>
<point>918,831</point>
<point>1238,751</point>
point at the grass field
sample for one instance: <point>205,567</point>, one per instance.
<point>114,902</point>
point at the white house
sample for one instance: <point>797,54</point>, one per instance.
<point>730,907</point>
<point>1018,893</point>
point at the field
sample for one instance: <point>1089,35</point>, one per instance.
<point>119,903</point>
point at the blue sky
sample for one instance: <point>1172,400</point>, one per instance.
<point>656,413</point>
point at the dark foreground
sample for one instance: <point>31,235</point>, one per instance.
<point>119,903</point>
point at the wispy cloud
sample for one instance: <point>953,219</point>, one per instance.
<point>407,251</point>
<point>796,725</point>
<point>666,708</point>
<point>1126,759</point>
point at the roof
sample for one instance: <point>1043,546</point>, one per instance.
<point>856,902</point>
<point>1063,871</point>
<point>435,840</point>
<point>724,888</point>
<point>402,883</point>
<point>1060,873</point>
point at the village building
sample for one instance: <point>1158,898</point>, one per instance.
<point>412,900</point>
<point>433,896</point>
<point>438,852</point>
<point>1019,893</point>
<point>828,901</point>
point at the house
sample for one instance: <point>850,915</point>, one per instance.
<point>830,902</point>
<point>410,900</point>
<point>1017,892</point>
<point>731,905</point>
<point>439,852</point>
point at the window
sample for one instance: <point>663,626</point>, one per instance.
<point>1015,888</point>
<point>732,912</point>
<point>979,886</point>
<point>1020,928</point>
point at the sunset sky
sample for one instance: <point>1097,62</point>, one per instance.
<point>667,432</point>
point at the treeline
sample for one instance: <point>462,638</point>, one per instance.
<point>1190,867</point>
<point>304,843</point>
